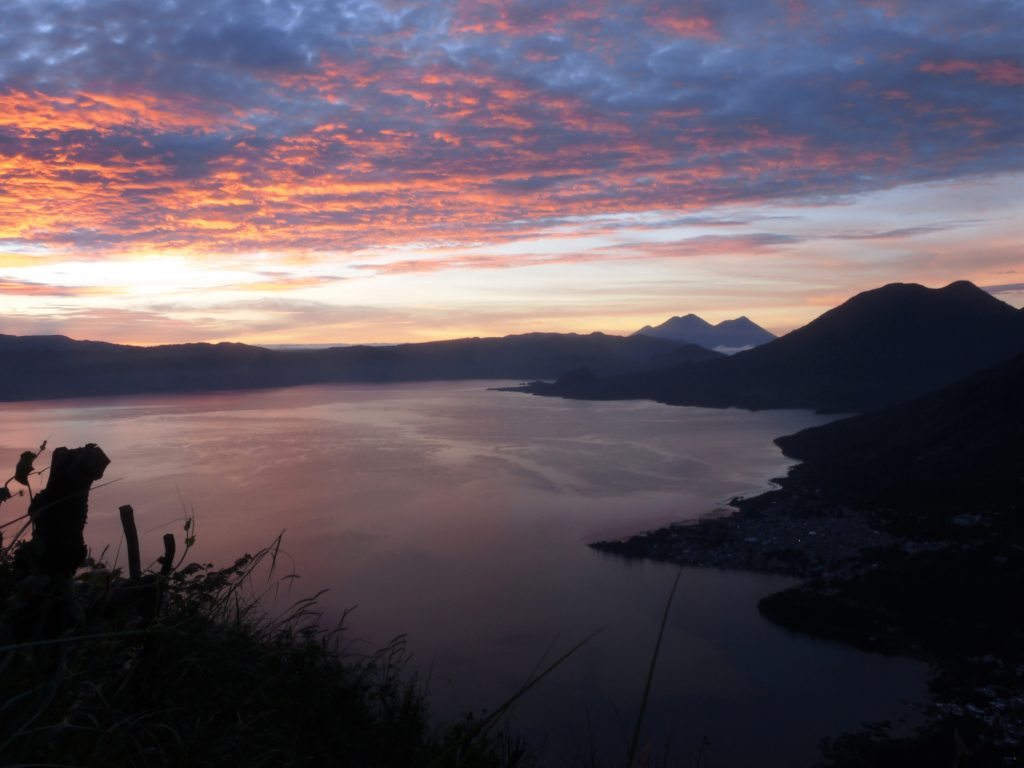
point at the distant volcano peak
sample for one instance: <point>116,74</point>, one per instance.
<point>738,333</point>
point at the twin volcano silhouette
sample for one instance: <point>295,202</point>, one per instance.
<point>728,334</point>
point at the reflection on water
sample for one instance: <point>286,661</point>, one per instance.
<point>458,516</point>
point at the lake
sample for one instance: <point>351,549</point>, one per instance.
<point>458,517</point>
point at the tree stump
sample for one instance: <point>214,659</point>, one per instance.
<point>59,512</point>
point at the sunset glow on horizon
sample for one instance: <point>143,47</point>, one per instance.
<point>321,172</point>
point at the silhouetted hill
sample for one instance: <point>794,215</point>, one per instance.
<point>729,334</point>
<point>879,348</point>
<point>42,367</point>
<point>944,473</point>
<point>957,450</point>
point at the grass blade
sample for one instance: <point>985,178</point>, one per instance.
<point>650,672</point>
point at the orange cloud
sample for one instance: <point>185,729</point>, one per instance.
<point>35,113</point>
<point>10,287</point>
<point>279,283</point>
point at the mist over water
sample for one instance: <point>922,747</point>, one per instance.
<point>458,517</point>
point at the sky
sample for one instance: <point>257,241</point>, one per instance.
<point>277,171</point>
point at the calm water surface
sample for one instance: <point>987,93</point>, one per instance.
<point>458,517</point>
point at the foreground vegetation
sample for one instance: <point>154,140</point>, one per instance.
<point>179,666</point>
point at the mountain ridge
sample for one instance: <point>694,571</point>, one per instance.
<point>877,348</point>
<point>47,367</point>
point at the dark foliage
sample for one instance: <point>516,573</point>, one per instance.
<point>183,668</point>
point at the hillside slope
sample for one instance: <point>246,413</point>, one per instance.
<point>957,451</point>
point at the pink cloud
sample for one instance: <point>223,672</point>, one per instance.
<point>1001,72</point>
<point>682,24</point>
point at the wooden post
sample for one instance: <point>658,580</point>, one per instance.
<point>167,561</point>
<point>131,537</point>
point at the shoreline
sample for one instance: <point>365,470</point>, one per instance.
<point>777,531</point>
<point>884,593</point>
